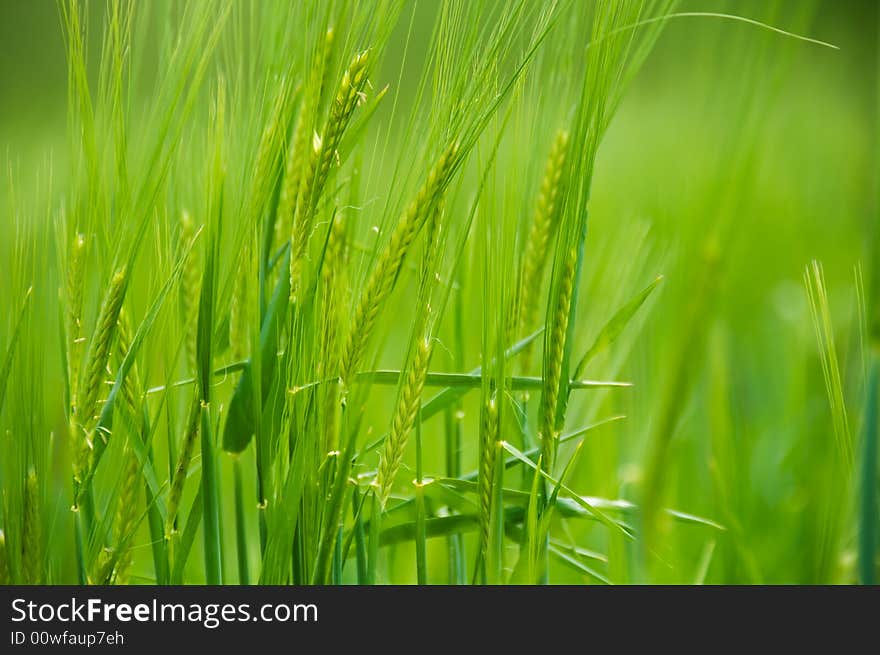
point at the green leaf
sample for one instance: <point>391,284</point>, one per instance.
<point>451,395</point>
<point>10,350</point>
<point>578,499</point>
<point>613,328</point>
<point>578,565</point>
<point>282,522</point>
<point>185,544</point>
<point>705,561</point>
<point>526,570</point>
<point>532,452</point>
<point>240,420</point>
<point>434,527</point>
<point>574,507</point>
<point>868,520</point>
<point>547,516</point>
<point>474,381</point>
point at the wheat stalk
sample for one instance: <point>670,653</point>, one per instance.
<point>408,403</point>
<point>131,384</point>
<point>126,508</point>
<point>297,152</point>
<point>190,285</point>
<point>99,348</point>
<point>333,275</point>
<point>182,468</point>
<point>103,572</point>
<point>488,448</point>
<point>544,225</point>
<point>410,393</point>
<point>75,280</point>
<point>553,359</point>
<point>126,514</point>
<point>384,275</point>
<point>95,369</point>
<point>348,96</point>
<point>332,281</point>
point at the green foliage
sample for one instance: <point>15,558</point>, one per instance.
<point>338,270</point>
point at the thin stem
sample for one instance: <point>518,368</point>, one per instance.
<point>421,536</point>
<point>360,540</point>
<point>211,518</point>
<point>868,527</point>
<point>375,532</point>
<point>240,526</point>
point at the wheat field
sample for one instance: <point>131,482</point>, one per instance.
<point>439,292</point>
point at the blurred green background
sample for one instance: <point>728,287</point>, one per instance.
<point>731,140</point>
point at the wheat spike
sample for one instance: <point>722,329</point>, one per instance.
<point>348,96</point>
<point>384,275</point>
<point>99,348</point>
<point>553,359</point>
<point>95,371</point>
<point>408,403</point>
<point>131,385</point>
<point>335,257</point>
<point>127,505</point>
<point>297,151</point>
<point>543,227</point>
<point>294,164</point>
<point>126,514</point>
<point>103,571</point>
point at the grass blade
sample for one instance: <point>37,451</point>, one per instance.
<point>240,525</point>
<point>614,327</point>
<point>10,349</point>
<point>868,514</point>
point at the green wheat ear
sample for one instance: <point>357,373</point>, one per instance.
<point>126,515</point>
<point>384,275</point>
<point>408,404</point>
<point>129,492</point>
<point>410,392</point>
<point>325,152</point>
<point>131,385</point>
<point>298,150</point>
<point>554,357</point>
<point>95,370</point>
<point>544,225</point>
<point>99,348</point>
